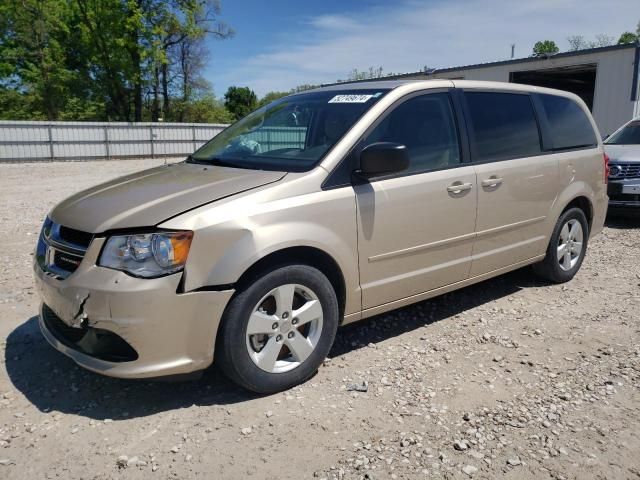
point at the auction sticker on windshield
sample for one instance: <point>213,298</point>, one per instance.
<point>350,98</point>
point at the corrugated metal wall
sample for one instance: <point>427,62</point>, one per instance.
<point>613,103</point>
<point>47,141</point>
<point>273,138</point>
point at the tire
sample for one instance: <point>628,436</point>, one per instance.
<point>561,264</point>
<point>274,359</point>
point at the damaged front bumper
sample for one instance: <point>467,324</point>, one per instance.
<point>121,326</point>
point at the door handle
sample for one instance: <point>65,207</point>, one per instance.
<point>491,182</point>
<point>459,187</point>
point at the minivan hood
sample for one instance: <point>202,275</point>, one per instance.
<point>146,198</point>
<point>623,153</point>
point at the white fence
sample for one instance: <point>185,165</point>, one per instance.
<point>49,141</point>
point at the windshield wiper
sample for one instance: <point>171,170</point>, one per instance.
<point>211,161</point>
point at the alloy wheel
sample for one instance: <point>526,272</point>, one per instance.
<point>570,244</point>
<point>284,328</point>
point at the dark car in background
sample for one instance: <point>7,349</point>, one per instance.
<point>623,149</point>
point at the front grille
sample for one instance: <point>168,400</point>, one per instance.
<point>624,197</point>
<point>75,237</point>
<point>620,171</point>
<point>66,261</point>
<point>95,342</point>
<point>61,249</point>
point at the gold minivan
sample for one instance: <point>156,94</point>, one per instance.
<point>319,209</point>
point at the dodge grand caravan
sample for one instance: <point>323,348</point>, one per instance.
<point>319,209</point>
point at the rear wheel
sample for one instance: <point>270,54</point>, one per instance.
<point>566,249</point>
<point>278,330</point>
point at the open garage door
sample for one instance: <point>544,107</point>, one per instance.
<point>578,79</point>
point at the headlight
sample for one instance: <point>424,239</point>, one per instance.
<point>147,255</point>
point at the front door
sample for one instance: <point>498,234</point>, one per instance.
<point>416,230</point>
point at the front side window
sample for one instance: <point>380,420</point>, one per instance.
<point>426,126</point>
<point>503,125</point>
<point>570,127</point>
<point>628,135</point>
<point>290,134</point>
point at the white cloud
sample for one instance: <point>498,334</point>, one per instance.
<point>407,35</point>
<point>334,22</point>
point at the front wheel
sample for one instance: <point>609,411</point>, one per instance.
<point>277,331</point>
<point>567,247</point>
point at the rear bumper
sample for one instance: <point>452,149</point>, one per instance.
<point>169,333</point>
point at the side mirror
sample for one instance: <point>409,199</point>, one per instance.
<point>382,158</point>
<point>604,137</point>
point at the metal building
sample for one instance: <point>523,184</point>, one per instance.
<point>605,78</point>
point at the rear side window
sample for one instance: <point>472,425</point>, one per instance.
<point>426,126</point>
<point>569,125</point>
<point>503,125</point>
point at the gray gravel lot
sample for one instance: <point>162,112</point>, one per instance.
<point>510,378</point>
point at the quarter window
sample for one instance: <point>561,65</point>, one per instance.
<point>503,126</point>
<point>569,125</point>
<point>426,126</point>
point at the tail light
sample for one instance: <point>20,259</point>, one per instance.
<point>606,169</point>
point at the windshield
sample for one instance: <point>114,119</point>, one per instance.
<point>629,135</point>
<point>291,134</point>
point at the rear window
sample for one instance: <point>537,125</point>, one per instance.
<point>504,126</point>
<point>570,126</point>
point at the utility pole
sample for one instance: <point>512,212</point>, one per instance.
<point>513,50</point>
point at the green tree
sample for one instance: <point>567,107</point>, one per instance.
<point>33,34</point>
<point>240,101</point>
<point>104,59</point>
<point>270,97</point>
<point>627,37</point>
<point>110,35</point>
<point>545,47</point>
<point>178,28</point>
<point>204,109</point>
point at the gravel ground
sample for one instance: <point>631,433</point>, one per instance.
<point>509,378</point>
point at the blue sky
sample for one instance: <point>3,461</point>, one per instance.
<point>283,43</point>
